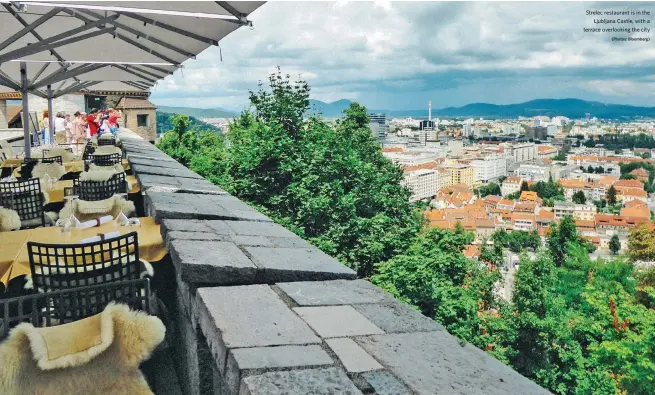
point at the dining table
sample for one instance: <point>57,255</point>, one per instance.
<point>14,256</point>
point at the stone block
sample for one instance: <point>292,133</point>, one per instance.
<point>352,356</point>
<point>252,241</point>
<point>385,383</point>
<point>258,358</point>
<point>177,184</point>
<point>394,316</point>
<point>250,316</point>
<point>297,264</point>
<point>157,170</point>
<point>166,205</point>
<point>259,229</point>
<point>179,235</point>
<point>337,321</point>
<point>166,164</point>
<point>169,225</point>
<point>435,363</point>
<point>336,292</point>
<point>329,381</point>
<point>211,262</point>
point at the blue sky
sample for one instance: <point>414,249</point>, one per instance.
<point>399,55</point>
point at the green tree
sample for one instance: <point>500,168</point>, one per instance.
<point>579,198</point>
<point>490,189</point>
<point>524,186</point>
<point>641,244</point>
<point>590,169</point>
<point>560,237</point>
<point>611,196</point>
<point>615,244</point>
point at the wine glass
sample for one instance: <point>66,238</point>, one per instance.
<point>121,218</point>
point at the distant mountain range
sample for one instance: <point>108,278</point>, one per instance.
<point>198,112</point>
<point>571,108</point>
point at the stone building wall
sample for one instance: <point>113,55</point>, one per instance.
<point>3,115</point>
<point>130,121</point>
<point>68,104</point>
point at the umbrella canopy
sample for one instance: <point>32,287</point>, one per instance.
<point>54,48</point>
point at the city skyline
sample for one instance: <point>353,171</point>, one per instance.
<point>400,55</point>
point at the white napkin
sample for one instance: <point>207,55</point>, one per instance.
<point>93,239</point>
<point>94,222</point>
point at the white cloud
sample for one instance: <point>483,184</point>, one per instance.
<point>391,54</point>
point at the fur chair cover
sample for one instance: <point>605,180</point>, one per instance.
<point>9,220</point>
<point>87,210</point>
<point>65,154</point>
<point>54,170</point>
<point>117,168</point>
<point>99,355</point>
<point>107,149</point>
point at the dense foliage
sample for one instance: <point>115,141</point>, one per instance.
<point>165,123</point>
<point>490,189</point>
<point>575,326</point>
<point>621,141</point>
<point>328,183</point>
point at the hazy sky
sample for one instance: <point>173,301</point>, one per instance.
<point>399,55</point>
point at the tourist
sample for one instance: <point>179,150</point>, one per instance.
<point>44,127</point>
<point>93,120</point>
<point>113,121</point>
<point>77,135</point>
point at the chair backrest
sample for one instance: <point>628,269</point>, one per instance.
<point>88,150</point>
<point>106,160</point>
<point>27,166</point>
<point>26,198</point>
<point>60,307</point>
<point>53,159</point>
<point>64,266</point>
<point>106,141</point>
<point>99,190</point>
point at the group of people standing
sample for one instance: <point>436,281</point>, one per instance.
<point>83,126</point>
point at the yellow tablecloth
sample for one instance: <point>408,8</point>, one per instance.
<point>14,258</point>
<point>56,194</point>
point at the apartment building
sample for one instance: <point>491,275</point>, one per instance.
<point>534,173</point>
<point>510,185</point>
<point>489,168</point>
<point>521,152</point>
<point>546,151</point>
<point>461,174</point>
<point>423,183</point>
<point>581,212</point>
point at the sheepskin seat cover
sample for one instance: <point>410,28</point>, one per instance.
<point>65,154</point>
<point>9,220</point>
<point>107,150</point>
<point>117,168</point>
<point>87,210</point>
<point>99,355</point>
<point>54,170</point>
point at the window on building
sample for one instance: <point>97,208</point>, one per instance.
<point>142,120</point>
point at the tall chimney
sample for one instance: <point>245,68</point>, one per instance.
<point>430,110</point>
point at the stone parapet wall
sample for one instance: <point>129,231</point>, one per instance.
<point>261,311</point>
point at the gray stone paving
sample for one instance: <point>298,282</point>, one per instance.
<point>337,321</point>
<point>311,381</point>
<point>317,331</point>
<point>434,363</point>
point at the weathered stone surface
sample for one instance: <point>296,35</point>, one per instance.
<point>165,205</point>
<point>337,321</point>
<point>167,164</point>
<point>170,184</point>
<point>242,359</point>
<point>252,316</point>
<point>259,229</point>
<point>385,383</point>
<point>330,381</point>
<point>185,225</point>
<point>394,316</point>
<point>296,264</point>
<point>211,262</point>
<point>157,170</point>
<point>253,241</point>
<point>352,356</point>
<point>337,292</point>
<point>435,363</point>
<point>179,235</point>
